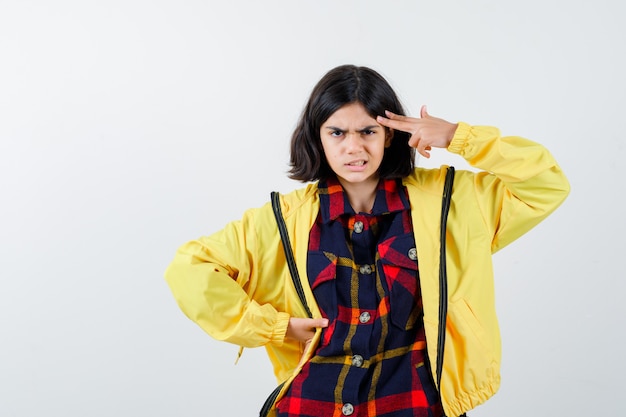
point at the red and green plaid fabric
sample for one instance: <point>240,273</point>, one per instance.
<point>363,270</point>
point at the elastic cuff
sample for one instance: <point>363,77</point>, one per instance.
<point>280,329</point>
<point>460,138</point>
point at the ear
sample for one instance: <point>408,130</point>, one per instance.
<point>389,137</point>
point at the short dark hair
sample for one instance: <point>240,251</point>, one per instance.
<point>343,85</point>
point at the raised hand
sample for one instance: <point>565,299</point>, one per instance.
<point>426,132</point>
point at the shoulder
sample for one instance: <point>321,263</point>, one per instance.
<point>293,203</point>
<point>430,181</point>
<point>305,198</point>
<point>426,180</point>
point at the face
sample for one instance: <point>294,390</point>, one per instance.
<point>354,144</point>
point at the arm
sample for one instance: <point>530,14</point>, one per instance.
<point>520,185</point>
<point>212,281</point>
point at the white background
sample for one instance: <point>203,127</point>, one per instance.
<point>130,127</point>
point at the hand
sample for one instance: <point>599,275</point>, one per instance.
<point>427,132</point>
<point>303,330</point>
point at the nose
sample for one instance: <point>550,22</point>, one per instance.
<point>353,142</point>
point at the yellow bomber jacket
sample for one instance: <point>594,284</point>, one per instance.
<point>236,286</point>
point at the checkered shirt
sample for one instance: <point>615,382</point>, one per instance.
<point>363,270</point>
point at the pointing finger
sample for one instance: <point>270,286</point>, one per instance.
<point>396,122</point>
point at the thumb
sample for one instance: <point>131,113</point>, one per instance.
<point>424,112</point>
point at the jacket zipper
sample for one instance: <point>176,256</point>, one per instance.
<point>269,402</point>
<point>295,276</point>
<point>443,274</point>
<point>291,262</point>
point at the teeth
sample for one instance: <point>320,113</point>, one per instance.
<point>358,164</point>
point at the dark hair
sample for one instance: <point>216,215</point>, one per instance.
<point>340,86</point>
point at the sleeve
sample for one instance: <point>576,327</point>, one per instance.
<point>211,281</point>
<point>519,185</point>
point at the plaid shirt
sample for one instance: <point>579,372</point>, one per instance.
<point>363,271</point>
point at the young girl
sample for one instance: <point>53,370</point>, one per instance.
<point>365,235</point>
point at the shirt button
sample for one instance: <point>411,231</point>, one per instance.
<point>413,254</point>
<point>357,360</point>
<point>347,409</point>
<point>358,227</point>
<point>365,269</point>
<point>365,317</point>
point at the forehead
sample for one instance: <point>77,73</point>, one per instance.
<point>352,114</point>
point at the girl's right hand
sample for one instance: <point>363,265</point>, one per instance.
<point>426,132</point>
<point>303,330</point>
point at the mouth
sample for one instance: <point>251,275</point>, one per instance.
<point>359,163</point>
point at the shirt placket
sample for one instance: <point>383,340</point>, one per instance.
<point>364,304</point>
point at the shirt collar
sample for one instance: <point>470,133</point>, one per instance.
<point>390,197</point>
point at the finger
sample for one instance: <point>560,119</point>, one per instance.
<point>394,116</point>
<point>403,125</point>
<point>311,324</point>
<point>319,323</point>
<point>423,150</point>
<point>424,112</point>
<point>303,328</point>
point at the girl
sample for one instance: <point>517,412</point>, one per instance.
<point>365,234</point>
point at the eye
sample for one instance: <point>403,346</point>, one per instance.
<point>336,133</point>
<point>368,132</point>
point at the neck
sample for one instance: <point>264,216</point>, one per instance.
<point>362,195</point>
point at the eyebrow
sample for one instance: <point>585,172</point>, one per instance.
<point>360,130</point>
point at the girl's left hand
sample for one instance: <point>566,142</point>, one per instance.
<point>427,132</point>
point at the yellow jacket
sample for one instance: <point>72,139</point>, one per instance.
<point>235,284</point>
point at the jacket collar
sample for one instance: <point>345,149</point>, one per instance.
<point>390,198</point>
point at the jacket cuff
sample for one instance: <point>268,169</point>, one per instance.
<point>280,329</point>
<point>460,138</point>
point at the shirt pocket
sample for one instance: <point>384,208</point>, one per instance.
<point>398,264</point>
